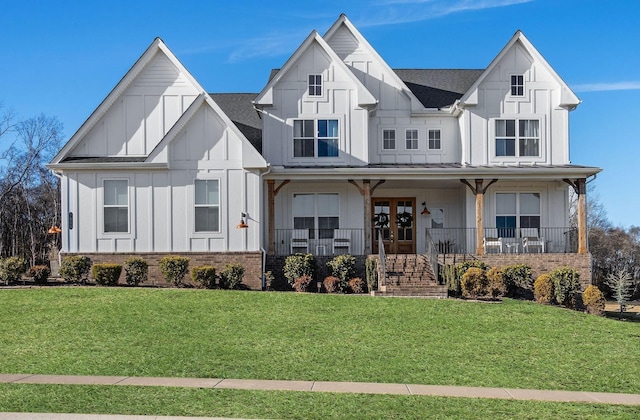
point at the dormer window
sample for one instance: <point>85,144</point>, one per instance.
<point>517,85</point>
<point>315,85</point>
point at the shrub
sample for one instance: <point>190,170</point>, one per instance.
<point>136,271</point>
<point>593,300</point>
<point>343,267</point>
<point>332,284</point>
<point>204,276</point>
<point>621,283</point>
<point>75,268</point>
<point>40,273</point>
<point>474,283</point>
<point>298,265</point>
<point>448,275</point>
<point>371,273</point>
<point>497,286</point>
<point>231,276</point>
<point>462,267</point>
<point>302,284</point>
<point>566,283</point>
<point>518,280</point>
<point>357,285</point>
<point>11,269</point>
<point>174,268</point>
<point>543,289</point>
<point>106,274</point>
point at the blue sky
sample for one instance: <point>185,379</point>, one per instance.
<point>62,58</point>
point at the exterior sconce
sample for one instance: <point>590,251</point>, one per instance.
<point>54,230</point>
<point>243,224</point>
<point>425,211</point>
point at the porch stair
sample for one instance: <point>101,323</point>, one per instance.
<point>410,275</point>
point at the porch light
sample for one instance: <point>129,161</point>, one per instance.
<point>53,230</point>
<point>243,224</point>
<point>425,211</point>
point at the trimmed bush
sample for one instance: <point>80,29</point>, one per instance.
<point>302,284</point>
<point>462,267</point>
<point>448,275</point>
<point>332,284</point>
<point>497,286</point>
<point>204,276</point>
<point>343,267</point>
<point>357,285</point>
<point>518,281</point>
<point>543,290</point>
<point>106,274</point>
<point>566,283</point>
<point>11,269</point>
<point>174,268</point>
<point>371,272</point>
<point>39,273</point>
<point>474,283</point>
<point>231,276</point>
<point>75,268</point>
<point>136,271</point>
<point>298,265</point>
<point>593,300</point>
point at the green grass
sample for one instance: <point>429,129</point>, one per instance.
<point>280,404</point>
<point>228,334</point>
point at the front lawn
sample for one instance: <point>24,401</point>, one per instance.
<point>230,334</point>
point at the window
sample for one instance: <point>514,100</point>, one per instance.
<point>434,140</point>
<point>411,138</point>
<point>516,210</point>
<point>437,218</point>
<point>525,143</point>
<point>207,205</point>
<point>315,85</point>
<point>317,212</point>
<point>116,206</point>
<point>315,138</point>
<point>388,139</point>
<point>517,85</point>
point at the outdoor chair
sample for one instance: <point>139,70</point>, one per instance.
<point>491,240</point>
<point>300,241</point>
<point>530,238</point>
<point>341,241</point>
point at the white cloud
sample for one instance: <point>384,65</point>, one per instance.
<point>604,87</point>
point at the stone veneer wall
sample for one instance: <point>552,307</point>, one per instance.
<point>539,263</point>
<point>251,261</point>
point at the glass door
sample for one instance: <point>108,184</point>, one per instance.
<point>393,220</point>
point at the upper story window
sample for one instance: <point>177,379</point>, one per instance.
<point>523,142</point>
<point>315,138</point>
<point>411,139</point>
<point>389,139</point>
<point>435,142</point>
<point>315,85</point>
<point>517,85</point>
<point>116,205</point>
<point>207,205</point>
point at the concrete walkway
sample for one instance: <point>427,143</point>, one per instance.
<point>319,386</point>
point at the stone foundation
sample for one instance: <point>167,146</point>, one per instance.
<point>251,261</point>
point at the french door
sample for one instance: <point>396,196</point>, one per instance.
<point>394,221</point>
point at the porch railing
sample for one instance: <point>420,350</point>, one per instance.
<point>463,240</point>
<point>319,241</point>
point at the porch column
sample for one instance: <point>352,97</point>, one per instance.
<point>478,190</point>
<point>580,188</point>
<point>366,190</point>
<point>271,198</point>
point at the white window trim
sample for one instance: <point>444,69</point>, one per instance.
<point>542,149</point>
<point>100,199</point>
<point>317,159</point>
<point>382,148</point>
<point>435,151</point>
<point>517,213</point>
<point>511,85</point>
<point>323,95</point>
<point>222,213</point>
<point>406,131</point>
<point>316,214</point>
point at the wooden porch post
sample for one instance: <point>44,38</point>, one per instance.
<point>366,190</point>
<point>580,187</point>
<point>479,192</point>
<point>271,198</point>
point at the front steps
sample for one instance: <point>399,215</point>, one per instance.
<point>410,275</point>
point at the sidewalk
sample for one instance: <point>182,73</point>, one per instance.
<point>319,386</point>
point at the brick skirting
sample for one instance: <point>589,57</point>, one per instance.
<point>539,263</point>
<point>251,261</point>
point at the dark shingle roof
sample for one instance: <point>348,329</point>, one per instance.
<point>438,88</point>
<point>239,109</point>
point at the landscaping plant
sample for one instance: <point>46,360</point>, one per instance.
<point>136,271</point>
<point>39,273</point>
<point>75,268</point>
<point>621,284</point>
<point>302,284</point>
<point>566,283</point>
<point>474,283</point>
<point>543,290</point>
<point>204,276</point>
<point>298,265</point>
<point>106,274</point>
<point>371,273</point>
<point>593,300</point>
<point>332,284</point>
<point>343,267</point>
<point>174,268</point>
<point>11,269</point>
<point>357,285</point>
<point>231,276</point>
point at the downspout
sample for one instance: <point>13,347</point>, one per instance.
<point>59,176</point>
<point>264,252</point>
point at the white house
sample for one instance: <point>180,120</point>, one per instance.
<point>338,153</point>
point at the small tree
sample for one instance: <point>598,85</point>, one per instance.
<point>621,284</point>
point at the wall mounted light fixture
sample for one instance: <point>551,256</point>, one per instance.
<point>425,211</point>
<point>243,224</point>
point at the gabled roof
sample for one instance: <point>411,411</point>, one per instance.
<point>251,158</point>
<point>344,21</point>
<point>567,97</point>
<point>265,96</point>
<point>157,46</point>
<point>438,88</point>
